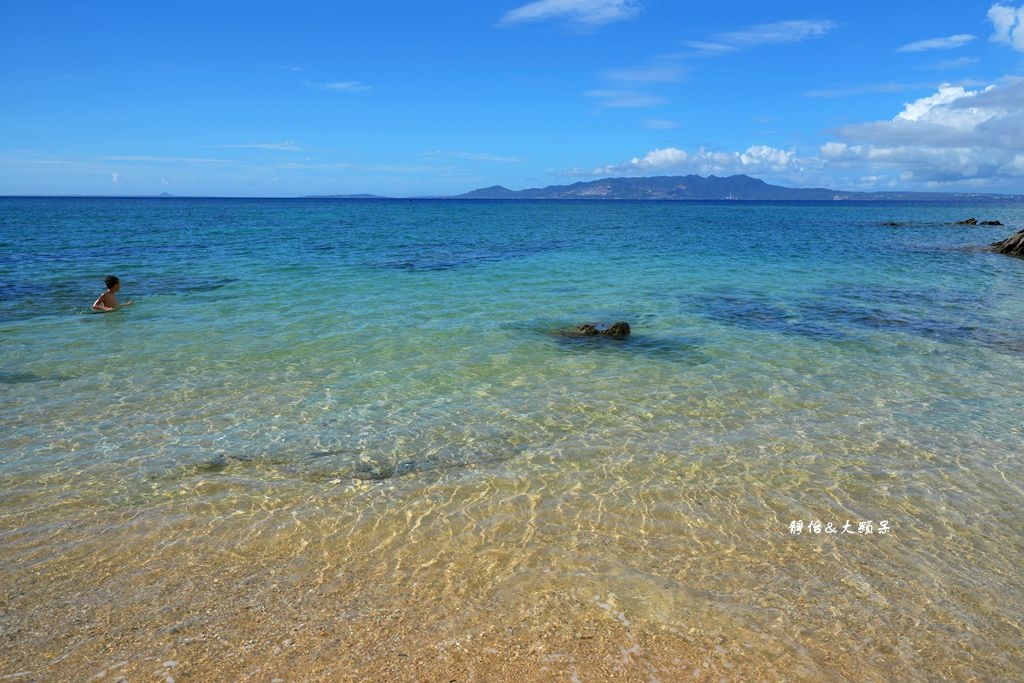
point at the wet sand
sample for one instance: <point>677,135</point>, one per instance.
<point>243,621</point>
<point>466,578</point>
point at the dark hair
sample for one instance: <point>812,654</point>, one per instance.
<point>110,281</point>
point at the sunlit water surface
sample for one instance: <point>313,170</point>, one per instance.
<point>321,417</point>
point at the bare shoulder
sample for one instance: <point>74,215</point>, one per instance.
<point>105,300</point>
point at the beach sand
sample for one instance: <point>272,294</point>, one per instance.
<point>488,588</point>
<point>265,596</point>
<point>244,622</point>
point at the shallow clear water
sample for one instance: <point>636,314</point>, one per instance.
<point>372,397</point>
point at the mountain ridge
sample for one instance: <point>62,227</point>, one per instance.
<point>735,187</point>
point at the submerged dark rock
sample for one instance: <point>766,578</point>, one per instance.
<point>215,463</point>
<point>975,221</point>
<point>1012,245</point>
<point>374,472</point>
<point>755,312</point>
<point>22,377</point>
<point>949,316</point>
<point>617,329</point>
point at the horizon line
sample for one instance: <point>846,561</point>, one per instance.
<point>930,195</point>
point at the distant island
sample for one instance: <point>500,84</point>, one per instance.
<point>693,187</point>
<point>737,187</point>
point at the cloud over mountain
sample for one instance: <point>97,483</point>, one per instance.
<point>755,159</point>
<point>953,134</point>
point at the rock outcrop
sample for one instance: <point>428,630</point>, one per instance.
<point>975,221</point>
<point>618,330</point>
<point>1012,245</point>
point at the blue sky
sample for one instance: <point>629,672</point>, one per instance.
<point>426,98</point>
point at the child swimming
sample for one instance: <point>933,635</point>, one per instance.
<point>107,301</point>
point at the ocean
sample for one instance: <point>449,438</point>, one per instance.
<point>350,439</point>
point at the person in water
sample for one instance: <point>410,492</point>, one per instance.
<point>107,301</point>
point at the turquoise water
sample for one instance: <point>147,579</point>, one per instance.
<point>379,388</point>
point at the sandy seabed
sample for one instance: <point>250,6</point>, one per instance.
<point>292,626</point>
<point>457,581</point>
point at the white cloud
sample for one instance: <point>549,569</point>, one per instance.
<point>115,178</point>
<point>584,13</point>
<point>947,43</point>
<point>1008,23</point>
<point>339,86</point>
<point>779,32</point>
<point>660,158</point>
<point>703,48</point>
<point>763,155</point>
<point>756,159</point>
<point>288,146</point>
<point>955,134</point>
<point>625,98</point>
<point>763,34</point>
<point>936,109</point>
<point>834,150</point>
<point>957,137</point>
